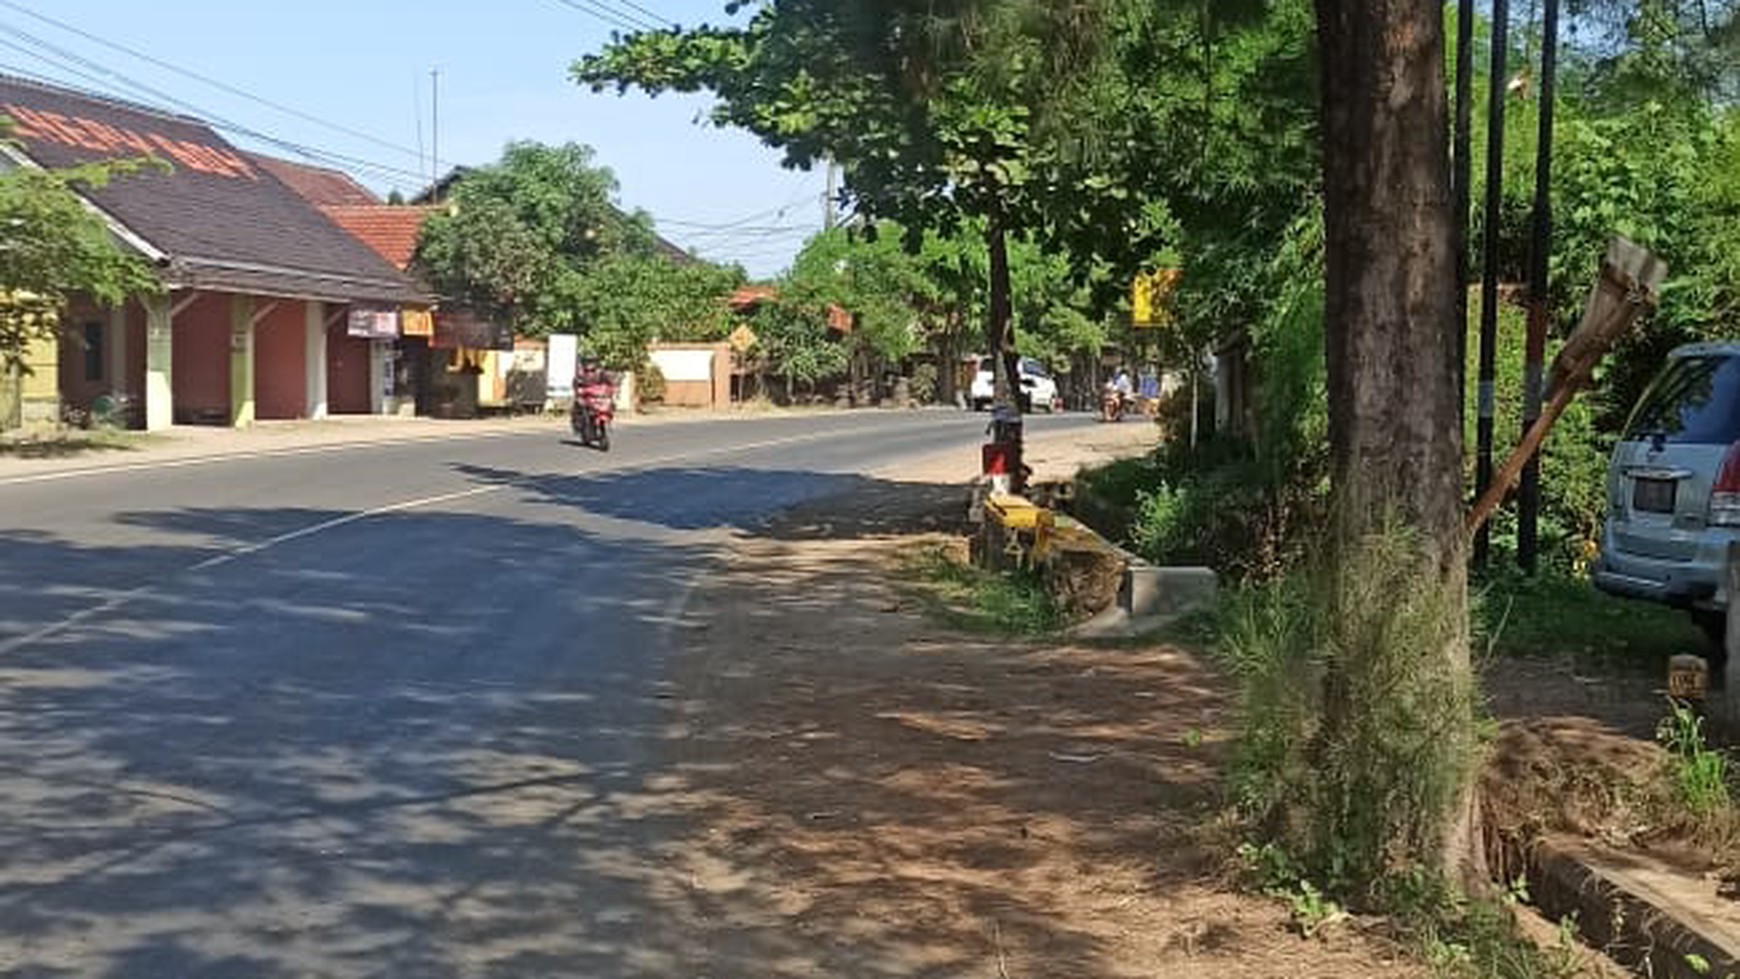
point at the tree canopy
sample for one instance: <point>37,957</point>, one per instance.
<point>55,248</point>
<point>538,241</point>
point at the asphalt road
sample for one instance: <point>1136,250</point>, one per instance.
<point>385,711</point>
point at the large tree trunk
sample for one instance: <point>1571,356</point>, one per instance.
<point>1397,741</point>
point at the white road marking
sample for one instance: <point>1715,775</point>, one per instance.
<point>125,598</point>
<point>207,460</point>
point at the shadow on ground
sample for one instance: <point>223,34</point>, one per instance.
<point>494,740</point>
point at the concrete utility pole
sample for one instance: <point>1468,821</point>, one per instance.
<point>1485,398</point>
<point>829,211</point>
<point>435,124</point>
<point>1540,249</point>
<point>1461,179</point>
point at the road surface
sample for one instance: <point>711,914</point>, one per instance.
<point>384,711</point>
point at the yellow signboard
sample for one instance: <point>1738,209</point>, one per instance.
<point>742,339</point>
<point>416,322</point>
<point>1148,295</point>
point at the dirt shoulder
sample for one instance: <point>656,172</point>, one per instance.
<point>876,796</point>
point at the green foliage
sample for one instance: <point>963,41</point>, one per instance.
<point>794,342</point>
<point>1573,461</point>
<point>626,301</point>
<point>1700,774</point>
<point>54,248</point>
<point>1552,615</point>
<point>980,600</point>
<point>1010,109</point>
<point>871,277</point>
<point>537,241</point>
<point>1355,795</point>
<point>517,239</point>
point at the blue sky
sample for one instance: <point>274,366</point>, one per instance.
<point>364,65</point>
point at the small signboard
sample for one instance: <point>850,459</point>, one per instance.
<point>563,356</point>
<point>1148,295</point>
<point>374,323</point>
<point>463,328</point>
<point>416,323</point>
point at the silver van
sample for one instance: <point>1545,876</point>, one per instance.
<point>1673,487</point>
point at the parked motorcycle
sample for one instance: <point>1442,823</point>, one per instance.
<point>593,411</point>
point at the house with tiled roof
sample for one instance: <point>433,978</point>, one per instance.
<point>321,186</point>
<point>269,309</point>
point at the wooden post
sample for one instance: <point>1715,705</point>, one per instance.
<point>1630,279</point>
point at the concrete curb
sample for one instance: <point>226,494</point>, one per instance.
<point>1630,925</point>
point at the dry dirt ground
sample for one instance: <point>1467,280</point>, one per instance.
<point>875,797</point>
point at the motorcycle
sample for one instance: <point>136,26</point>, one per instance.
<point>1111,405</point>
<point>593,411</point>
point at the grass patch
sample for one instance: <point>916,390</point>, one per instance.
<point>977,600</point>
<point>1554,615</point>
<point>69,443</point>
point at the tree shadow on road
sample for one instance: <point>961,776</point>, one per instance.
<point>775,503</point>
<point>461,743</point>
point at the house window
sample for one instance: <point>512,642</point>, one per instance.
<point>94,351</point>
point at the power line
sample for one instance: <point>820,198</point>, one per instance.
<point>622,20</point>
<point>657,17</point>
<point>76,64</point>
<point>213,82</point>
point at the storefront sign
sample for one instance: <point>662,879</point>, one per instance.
<point>374,324</point>
<point>460,328</point>
<point>416,323</point>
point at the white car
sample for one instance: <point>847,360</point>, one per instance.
<point>1038,387</point>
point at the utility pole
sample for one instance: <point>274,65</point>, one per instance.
<point>829,212</point>
<point>1462,184</point>
<point>435,125</point>
<point>417,106</point>
<point>1485,399</point>
<point>1540,249</point>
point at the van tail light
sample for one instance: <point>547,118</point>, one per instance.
<point>1725,492</point>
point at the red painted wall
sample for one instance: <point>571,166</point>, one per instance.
<point>347,372</point>
<point>280,355</point>
<point>201,361</point>
<point>76,389</point>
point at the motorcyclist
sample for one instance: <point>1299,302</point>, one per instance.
<point>592,375</point>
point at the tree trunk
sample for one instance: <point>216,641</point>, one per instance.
<point>1000,328</point>
<point>1397,745</point>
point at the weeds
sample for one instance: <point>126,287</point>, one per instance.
<point>979,600</point>
<point>1700,775</point>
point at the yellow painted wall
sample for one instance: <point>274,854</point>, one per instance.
<point>43,383</point>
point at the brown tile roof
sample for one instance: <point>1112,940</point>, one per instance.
<point>216,219</point>
<point>390,230</point>
<point>320,186</point>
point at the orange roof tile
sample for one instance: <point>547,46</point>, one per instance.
<point>320,186</point>
<point>389,229</point>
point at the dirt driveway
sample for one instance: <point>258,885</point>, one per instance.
<point>877,797</point>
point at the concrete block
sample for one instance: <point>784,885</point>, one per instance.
<point>1152,590</point>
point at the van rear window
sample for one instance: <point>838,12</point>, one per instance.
<point>1695,400</point>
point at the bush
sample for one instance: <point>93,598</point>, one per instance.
<point>924,384</point>
<point>651,383</point>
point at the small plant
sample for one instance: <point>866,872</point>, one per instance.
<point>1278,876</point>
<point>979,600</point>
<point>1700,774</point>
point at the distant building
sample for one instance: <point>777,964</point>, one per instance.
<point>269,310</point>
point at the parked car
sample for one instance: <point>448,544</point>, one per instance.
<point>1038,387</point>
<point>1673,488</point>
